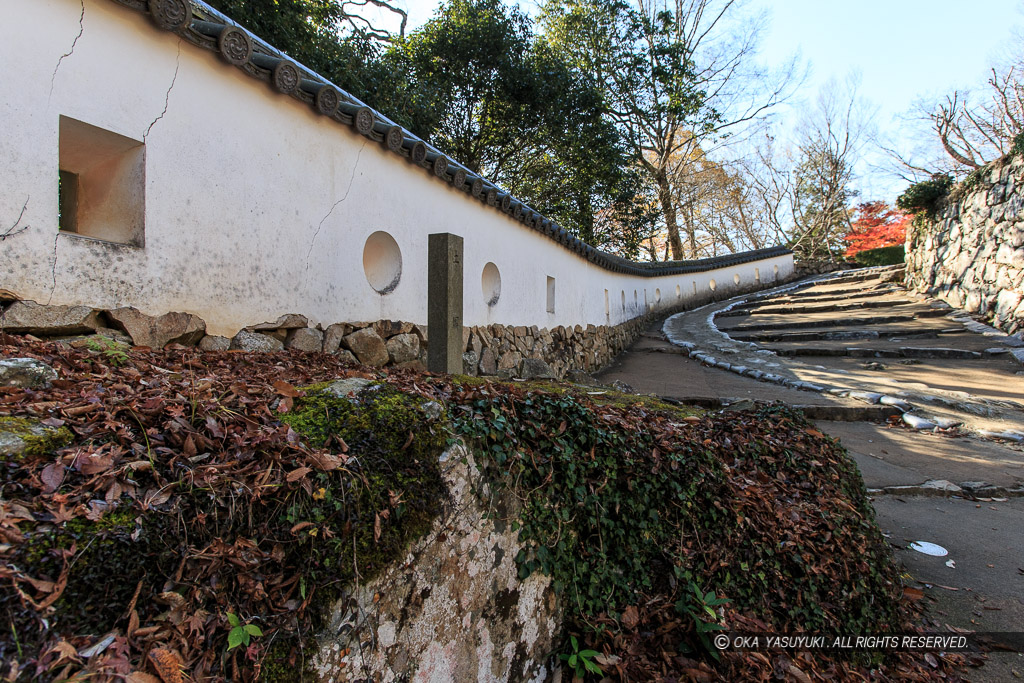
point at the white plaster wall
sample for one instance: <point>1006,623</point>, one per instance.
<point>255,205</point>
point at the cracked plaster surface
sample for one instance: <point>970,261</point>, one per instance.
<point>71,50</point>
<point>167,95</point>
<point>319,227</point>
<point>453,610</point>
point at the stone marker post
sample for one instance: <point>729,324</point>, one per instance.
<point>444,303</point>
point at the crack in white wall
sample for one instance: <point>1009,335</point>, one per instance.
<point>81,30</point>
<point>351,181</point>
<point>167,95</point>
<point>12,231</point>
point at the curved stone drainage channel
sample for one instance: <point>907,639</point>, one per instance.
<point>935,367</point>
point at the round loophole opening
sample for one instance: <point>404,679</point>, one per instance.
<point>776,271</point>
<point>757,274</point>
<point>679,292</point>
<point>623,299</point>
<point>657,295</point>
<point>490,284</point>
<point>713,285</point>
<point>382,262</point>
<point>736,278</point>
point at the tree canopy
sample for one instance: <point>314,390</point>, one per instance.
<point>602,116</point>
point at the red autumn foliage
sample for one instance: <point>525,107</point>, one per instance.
<point>875,225</point>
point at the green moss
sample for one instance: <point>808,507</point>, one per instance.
<point>365,514</point>
<point>37,440</point>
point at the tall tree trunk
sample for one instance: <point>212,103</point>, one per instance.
<point>668,207</point>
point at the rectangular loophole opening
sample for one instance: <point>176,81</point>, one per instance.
<point>551,294</point>
<point>607,306</point>
<point>67,201</point>
<point>101,184</point>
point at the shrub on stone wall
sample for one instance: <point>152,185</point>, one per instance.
<point>883,256</point>
<point>925,197</point>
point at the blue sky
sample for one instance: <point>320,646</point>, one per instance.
<point>903,50</point>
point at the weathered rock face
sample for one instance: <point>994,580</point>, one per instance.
<point>333,336</point>
<point>403,348</point>
<point>29,317</point>
<point>305,339</point>
<point>454,610</point>
<point>27,373</point>
<point>972,256</point>
<point>254,341</point>
<point>214,343</point>
<point>169,328</point>
<point>368,347</point>
<point>289,321</point>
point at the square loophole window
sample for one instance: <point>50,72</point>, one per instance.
<point>102,184</point>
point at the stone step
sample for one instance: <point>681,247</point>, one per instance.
<point>904,352</point>
<point>816,297</point>
<point>842,335</point>
<point>826,322</point>
<point>821,308</point>
<point>811,292</point>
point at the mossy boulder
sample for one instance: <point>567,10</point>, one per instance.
<point>27,373</point>
<point>23,437</point>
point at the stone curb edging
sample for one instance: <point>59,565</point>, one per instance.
<point>904,408</point>
<point>940,488</point>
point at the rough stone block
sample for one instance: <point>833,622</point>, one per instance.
<point>305,339</point>
<point>26,373</point>
<point>214,343</point>
<point>333,336</point>
<point>488,362</point>
<point>289,321</point>
<point>470,363</point>
<point>254,341</point>
<point>368,347</point>
<point>29,317</point>
<point>403,348</point>
<point>157,332</point>
<point>345,356</point>
<point>533,368</point>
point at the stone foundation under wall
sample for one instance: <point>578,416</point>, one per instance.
<point>492,350</point>
<point>502,350</point>
<point>972,255</point>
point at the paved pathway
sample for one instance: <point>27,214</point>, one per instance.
<point>866,360</point>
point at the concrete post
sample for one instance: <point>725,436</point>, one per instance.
<point>444,303</point>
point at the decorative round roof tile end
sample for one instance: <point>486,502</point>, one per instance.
<point>285,78</point>
<point>362,120</point>
<point>327,100</point>
<point>234,45</point>
<point>459,178</point>
<point>171,15</point>
<point>393,138</point>
<point>440,166</point>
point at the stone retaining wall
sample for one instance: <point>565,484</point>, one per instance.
<point>972,255</point>
<point>503,350</point>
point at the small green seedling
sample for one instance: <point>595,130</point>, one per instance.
<point>241,633</point>
<point>114,351</point>
<point>581,662</point>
